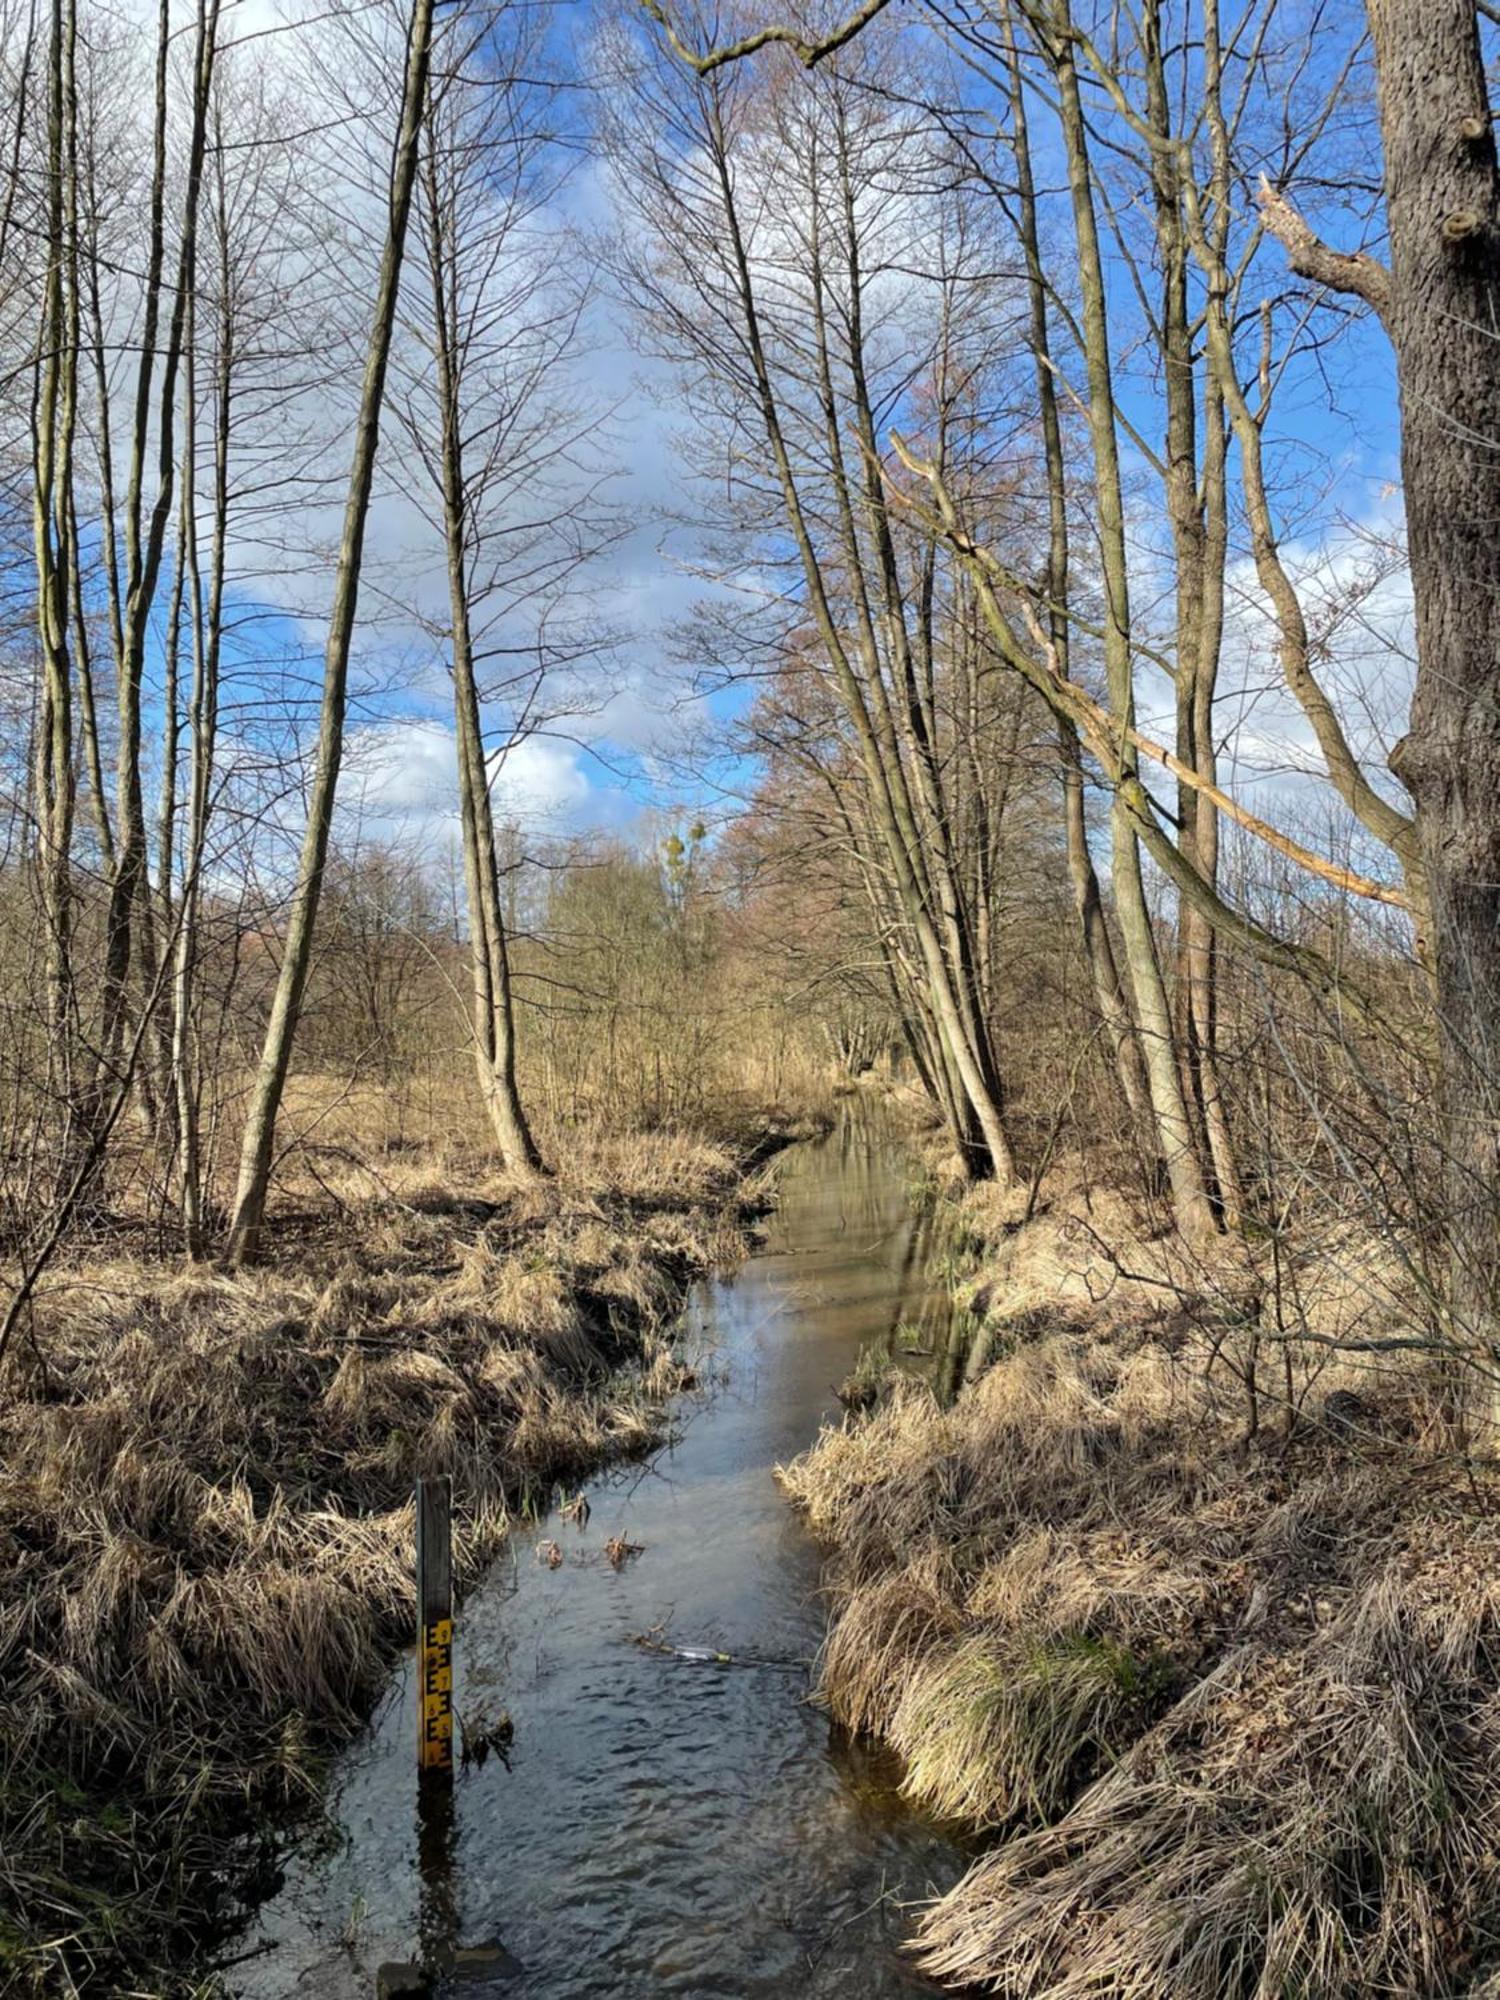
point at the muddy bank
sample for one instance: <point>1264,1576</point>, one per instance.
<point>1189,1614</point>
<point>205,1519</point>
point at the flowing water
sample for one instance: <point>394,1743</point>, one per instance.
<point>665,1826</point>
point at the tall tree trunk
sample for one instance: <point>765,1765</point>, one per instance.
<point>1098,947</point>
<point>910,713</point>
<point>203,725</point>
<point>54,409</point>
<point>1190,1202</point>
<point>130,927</point>
<point>1197,514</point>
<point>1441,305</point>
<point>494,1008</point>
<point>286,1007</point>
<point>868,708</point>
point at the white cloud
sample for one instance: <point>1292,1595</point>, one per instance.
<point>540,779</point>
<point>402,786</point>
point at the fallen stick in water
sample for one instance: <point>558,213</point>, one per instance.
<point>708,1656</point>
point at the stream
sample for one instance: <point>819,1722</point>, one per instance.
<point>664,1826</point>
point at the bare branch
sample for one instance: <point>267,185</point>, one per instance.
<point>1310,257</point>
<point>809,54</point>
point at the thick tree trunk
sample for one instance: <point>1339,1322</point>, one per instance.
<point>1443,299</point>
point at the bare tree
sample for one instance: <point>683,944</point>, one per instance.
<point>260,1124</point>
<point>505,458</point>
<point>764,277</point>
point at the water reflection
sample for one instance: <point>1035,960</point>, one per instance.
<point>437,1906</point>
<point>925,1334</point>
<point>667,1826</point>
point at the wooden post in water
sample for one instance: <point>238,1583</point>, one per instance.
<point>435,1627</point>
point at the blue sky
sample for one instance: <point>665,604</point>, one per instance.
<point>616,751</point>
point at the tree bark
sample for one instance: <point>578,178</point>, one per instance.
<point>1190,1202</point>
<point>286,1007</point>
<point>1109,994</point>
<point>1443,215</point>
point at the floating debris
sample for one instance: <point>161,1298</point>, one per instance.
<point>655,1641</point>
<point>617,1551</point>
<point>478,1736</point>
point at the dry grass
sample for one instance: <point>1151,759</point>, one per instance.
<point>1313,1817</point>
<point>1227,1708</point>
<point>205,1522</point>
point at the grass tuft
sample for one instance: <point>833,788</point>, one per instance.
<point>1227,1709</point>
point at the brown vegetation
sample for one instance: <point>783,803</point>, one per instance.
<point>205,1510</point>
<point>1225,1707</point>
<point>998,475</point>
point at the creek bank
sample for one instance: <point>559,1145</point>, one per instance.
<point>665,1823</point>
<point>1189,1614</point>
<point>205,1516</point>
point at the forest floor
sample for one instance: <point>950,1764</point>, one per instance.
<point>1190,1605</point>
<point>206,1521</point>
